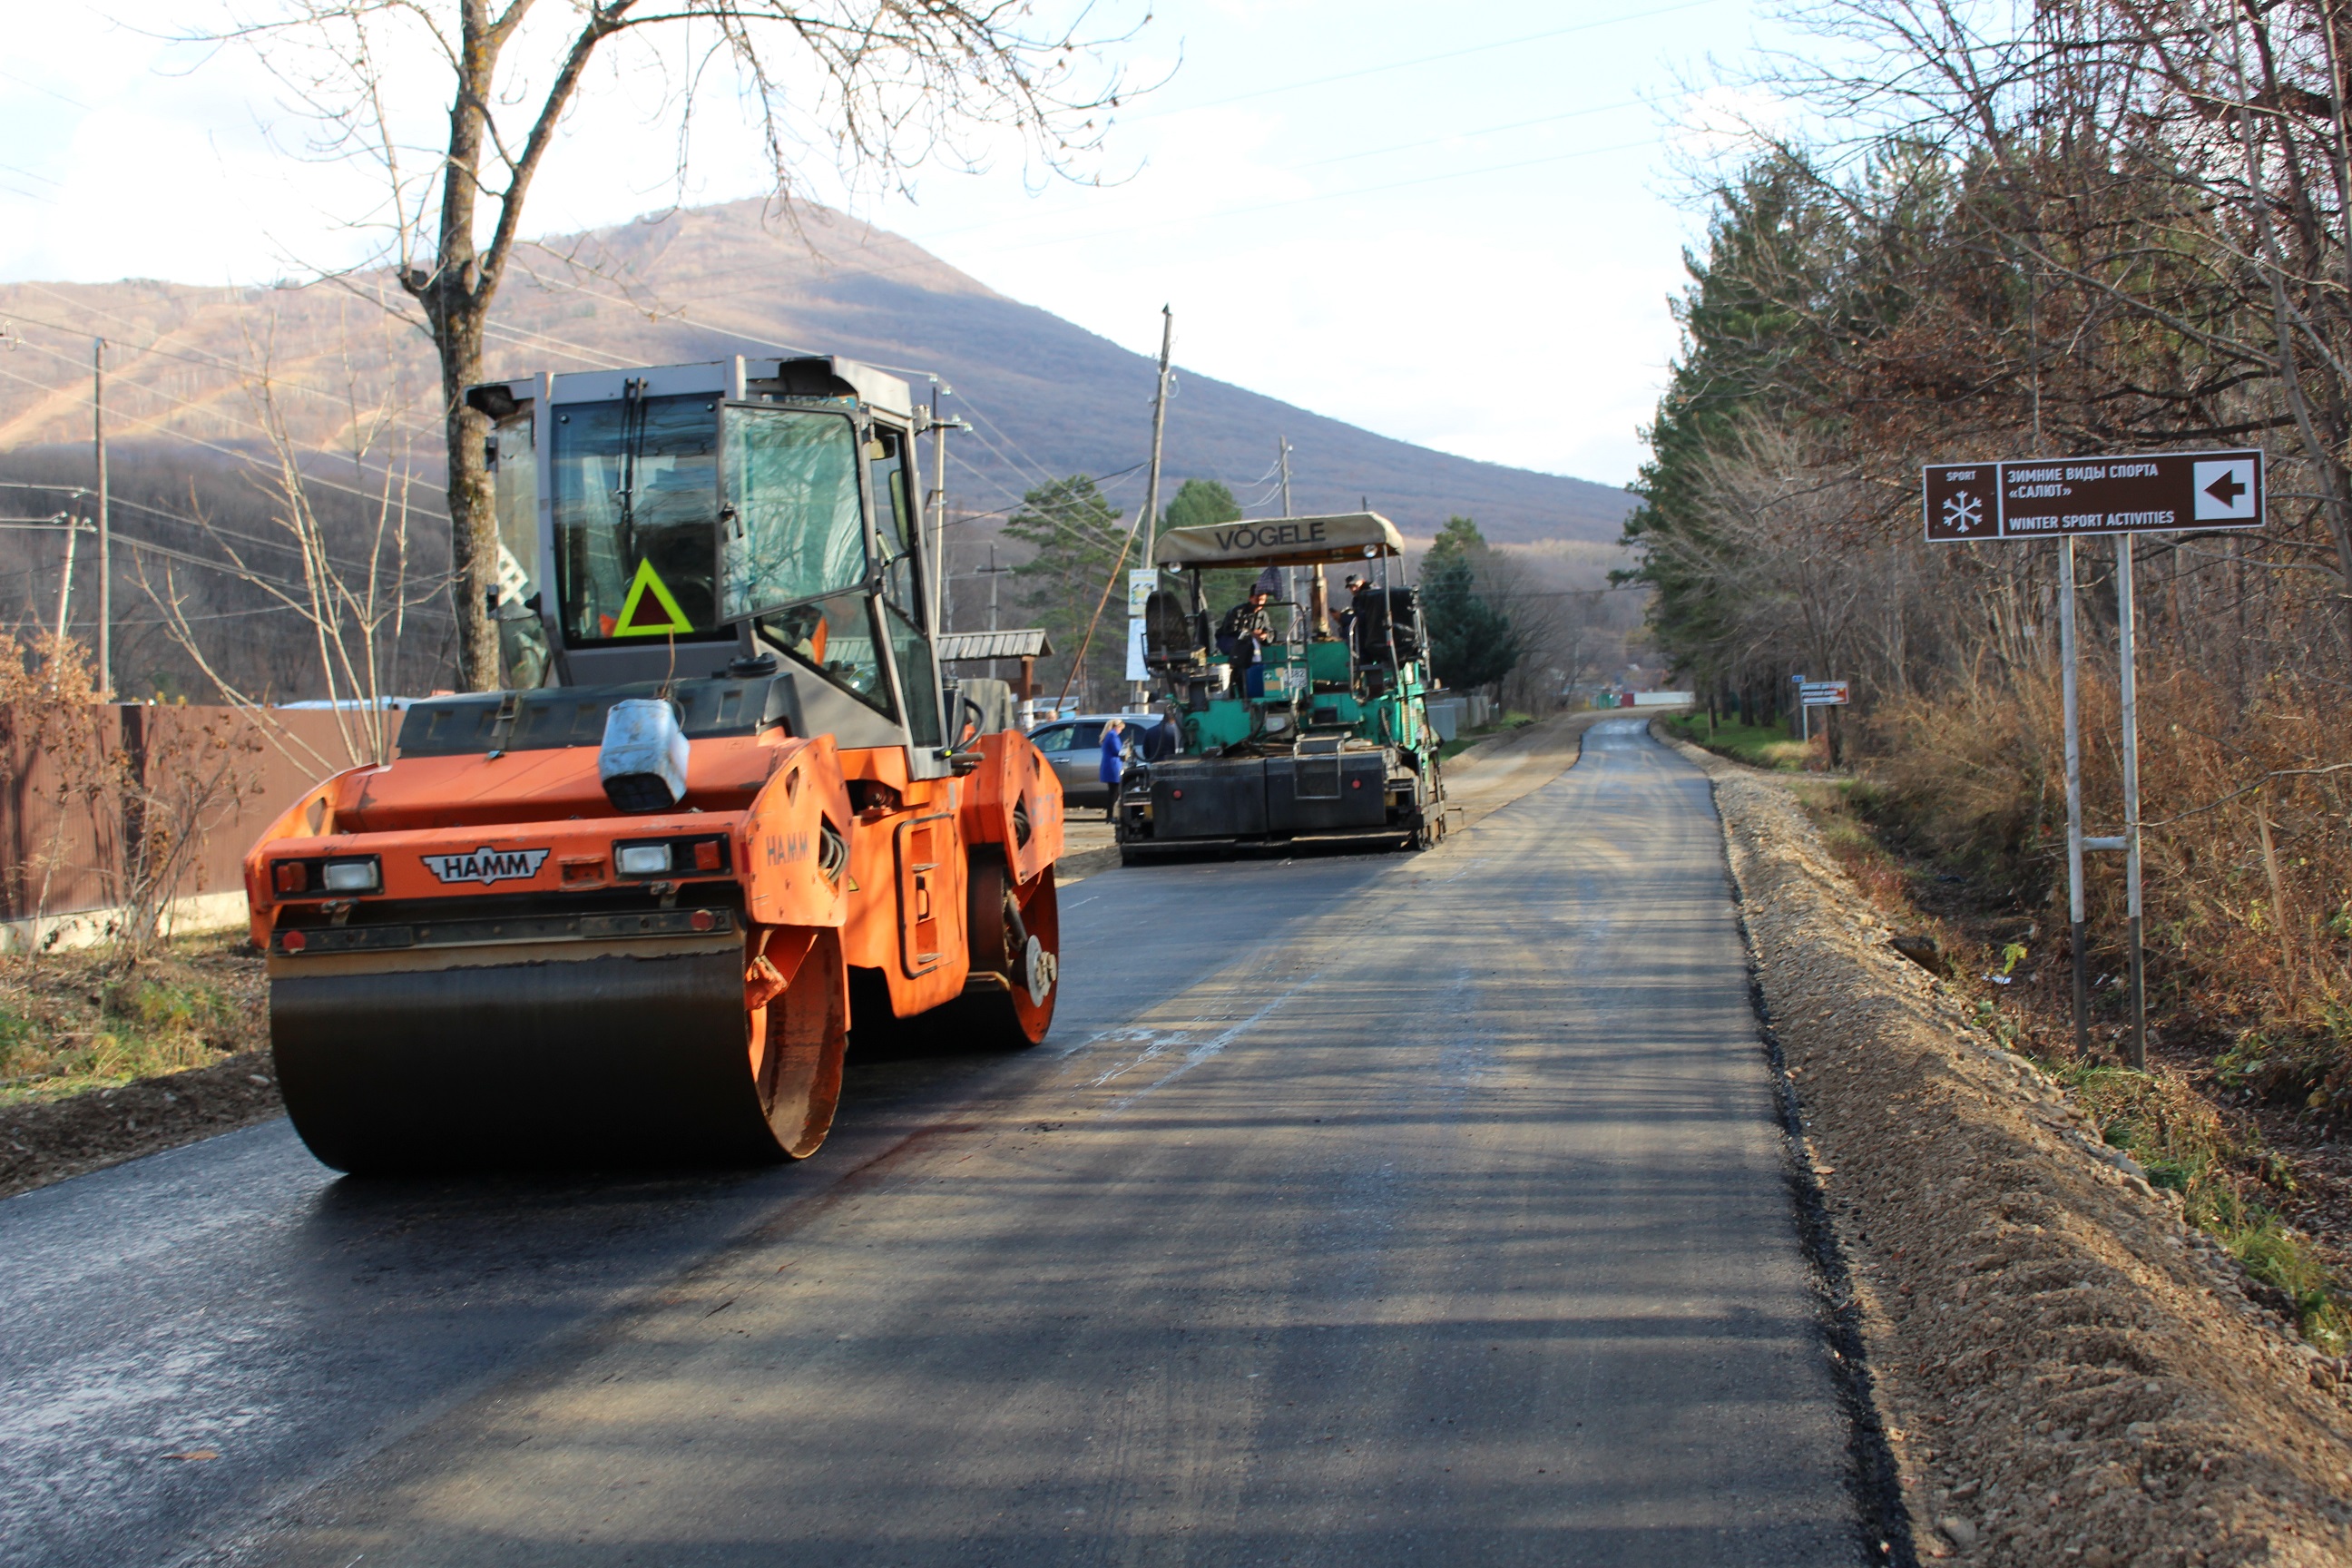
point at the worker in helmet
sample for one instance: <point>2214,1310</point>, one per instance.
<point>1347,617</point>
<point>1243,638</point>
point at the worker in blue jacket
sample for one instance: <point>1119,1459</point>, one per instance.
<point>1114,763</point>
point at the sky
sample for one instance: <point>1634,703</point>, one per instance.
<point>1462,237</point>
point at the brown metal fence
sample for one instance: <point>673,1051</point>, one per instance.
<point>70,806</point>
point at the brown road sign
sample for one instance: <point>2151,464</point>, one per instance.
<point>2143,492</point>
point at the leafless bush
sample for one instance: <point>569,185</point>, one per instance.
<point>354,615</point>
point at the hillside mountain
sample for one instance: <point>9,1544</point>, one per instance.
<point>1048,397</point>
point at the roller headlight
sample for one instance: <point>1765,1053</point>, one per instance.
<point>351,876</point>
<point>642,859</point>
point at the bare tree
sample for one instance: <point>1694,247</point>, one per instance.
<point>886,84</point>
<point>354,612</point>
<point>2168,184</point>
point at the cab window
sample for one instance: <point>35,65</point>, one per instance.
<point>793,526</point>
<point>637,505</point>
<point>835,637</point>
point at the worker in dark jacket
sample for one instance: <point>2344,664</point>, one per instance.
<point>1243,638</point>
<point>1167,737</point>
<point>1347,617</point>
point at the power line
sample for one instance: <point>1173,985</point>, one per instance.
<point>226,418</point>
<point>78,491</point>
<point>187,356</point>
<point>247,458</point>
<point>1460,136</point>
<point>682,303</point>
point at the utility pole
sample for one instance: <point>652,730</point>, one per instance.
<point>105,538</point>
<point>1318,589</point>
<point>1151,519</point>
<point>1159,425</point>
<point>65,582</point>
<point>992,572</point>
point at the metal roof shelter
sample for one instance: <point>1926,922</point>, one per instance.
<point>1027,642</point>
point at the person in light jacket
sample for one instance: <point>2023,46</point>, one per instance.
<point>1114,763</point>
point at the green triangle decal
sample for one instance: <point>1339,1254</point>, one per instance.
<point>649,582</point>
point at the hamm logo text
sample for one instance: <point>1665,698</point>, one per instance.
<point>486,865</point>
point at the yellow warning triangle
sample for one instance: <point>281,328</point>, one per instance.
<point>649,582</point>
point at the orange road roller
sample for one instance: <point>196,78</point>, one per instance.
<point>728,811</point>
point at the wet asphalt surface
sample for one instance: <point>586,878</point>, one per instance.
<point>1358,1210</point>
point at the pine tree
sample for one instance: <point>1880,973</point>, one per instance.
<point>1079,545</point>
<point>1471,643</point>
<point>1200,504</point>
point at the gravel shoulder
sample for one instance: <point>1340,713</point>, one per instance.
<point>2065,1371</point>
<point>50,1140</point>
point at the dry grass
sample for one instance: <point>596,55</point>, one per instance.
<point>2223,980</point>
<point>2247,849</point>
<point>71,1022</point>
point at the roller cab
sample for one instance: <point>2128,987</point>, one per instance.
<point>632,908</point>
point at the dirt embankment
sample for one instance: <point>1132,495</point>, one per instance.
<point>48,1141</point>
<point>2067,1373</point>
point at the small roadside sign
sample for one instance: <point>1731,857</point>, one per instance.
<point>1825,694</point>
<point>2046,498</point>
<point>1140,585</point>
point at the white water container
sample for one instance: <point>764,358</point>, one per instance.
<point>643,762</point>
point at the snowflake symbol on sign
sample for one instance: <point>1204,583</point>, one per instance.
<point>1962,512</point>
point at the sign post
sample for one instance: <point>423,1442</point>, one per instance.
<point>2059,498</point>
<point>2073,792</point>
<point>2128,691</point>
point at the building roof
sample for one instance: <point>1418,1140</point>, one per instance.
<point>1028,642</point>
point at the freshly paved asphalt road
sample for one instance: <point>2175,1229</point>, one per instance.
<point>1371,1210</point>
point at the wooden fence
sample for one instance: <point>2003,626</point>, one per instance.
<point>93,801</point>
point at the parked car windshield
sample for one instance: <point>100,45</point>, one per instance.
<point>1083,734</point>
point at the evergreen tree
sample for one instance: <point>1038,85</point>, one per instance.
<point>1200,503</point>
<point>1079,545</point>
<point>1471,643</point>
<point>1761,318</point>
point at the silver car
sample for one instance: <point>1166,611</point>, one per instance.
<point>1074,745</point>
